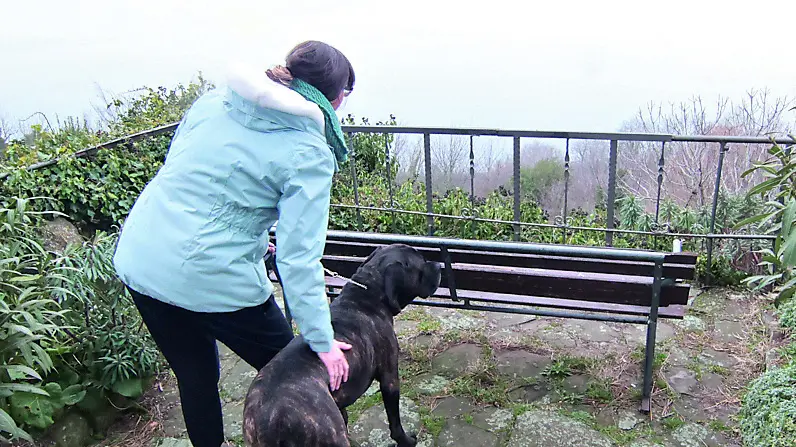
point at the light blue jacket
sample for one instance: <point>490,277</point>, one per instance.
<point>243,157</point>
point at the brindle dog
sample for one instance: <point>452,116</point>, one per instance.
<point>290,403</point>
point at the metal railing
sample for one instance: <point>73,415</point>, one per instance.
<point>562,221</point>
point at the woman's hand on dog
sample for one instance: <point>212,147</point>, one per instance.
<point>336,364</point>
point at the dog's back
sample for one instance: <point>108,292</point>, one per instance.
<point>282,420</point>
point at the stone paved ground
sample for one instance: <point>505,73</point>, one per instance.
<point>479,379</point>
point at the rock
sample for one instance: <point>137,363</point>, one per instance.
<point>682,380</point>
<point>493,419</point>
<point>404,327</point>
<point>627,419</point>
<point>711,382</point>
<point>424,341</point>
<point>459,433</point>
<point>452,319</point>
<point>695,435</point>
<point>678,356</point>
<point>576,384</point>
<point>728,331</point>
<point>59,233</point>
<point>458,360</point>
<point>556,337</point>
<point>501,321</point>
<point>173,423</point>
<point>596,331</point>
<point>371,429</point>
<point>172,442</point>
<point>522,364</point>
<point>430,384</point>
<point>99,411</point>
<point>539,428</point>
<point>607,416</point>
<point>235,384</point>
<point>736,307</point>
<point>530,393</point>
<point>772,359</point>
<point>691,408</point>
<point>690,323</point>
<point>233,419</point>
<point>637,334</point>
<point>643,443</point>
<point>451,407</point>
<point>717,358</point>
<point>72,430</point>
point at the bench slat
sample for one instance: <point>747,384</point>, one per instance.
<point>584,286</point>
<point>673,311</point>
<point>672,270</point>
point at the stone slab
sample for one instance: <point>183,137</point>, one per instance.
<point>540,428</point>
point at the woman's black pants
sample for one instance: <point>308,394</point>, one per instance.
<point>188,342</point>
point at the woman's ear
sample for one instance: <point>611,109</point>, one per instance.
<point>339,100</point>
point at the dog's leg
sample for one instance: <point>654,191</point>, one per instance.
<point>344,412</point>
<point>390,393</point>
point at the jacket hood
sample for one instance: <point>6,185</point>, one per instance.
<point>261,104</point>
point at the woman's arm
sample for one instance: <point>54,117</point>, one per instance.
<point>301,236</point>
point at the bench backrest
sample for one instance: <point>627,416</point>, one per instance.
<point>574,274</point>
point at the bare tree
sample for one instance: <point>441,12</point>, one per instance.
<point>5,135</point>
<point>492,169</point>
<point>409,156</point>
<point>588,173</point>
<point>690,168</point>
<point>450,163</point>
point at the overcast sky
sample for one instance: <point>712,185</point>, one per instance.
<point>551,66</point>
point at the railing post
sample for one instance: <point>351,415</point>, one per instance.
<point>658,197</point>
<point>566,195</point>
<point>429,186</point>
<point>517,197</point>
<point>472,186</point>
<point>660,182</point>
<point>389,179</point>
<point>609,219</point>
<point>353,161</point>
<point>716,189</point>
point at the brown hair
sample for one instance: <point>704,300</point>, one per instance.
<point>318,64</point>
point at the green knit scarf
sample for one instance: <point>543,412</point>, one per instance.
<point>334,134</point>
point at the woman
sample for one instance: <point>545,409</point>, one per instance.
<point>191,250</point>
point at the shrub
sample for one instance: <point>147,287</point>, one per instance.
<point>66,326</point>
<point>778,218</point>
<point>32,326</point>
<point>112,348</point>
<point>787,315</point>
<point>768,412</point>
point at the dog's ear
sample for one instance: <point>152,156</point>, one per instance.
<point>393,288</point>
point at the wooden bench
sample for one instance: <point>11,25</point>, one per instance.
<point>592,283</point>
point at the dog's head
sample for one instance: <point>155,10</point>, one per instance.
<point>405,275</point>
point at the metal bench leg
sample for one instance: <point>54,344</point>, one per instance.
<point>649,351</point>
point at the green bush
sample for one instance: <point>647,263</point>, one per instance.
<point>787,315</point>
<point>112,349</point>
<point>768,412</point>
<point>98,191</point>
<point>32,326</point>
<point>778,218</point>
<point>66,326</point>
